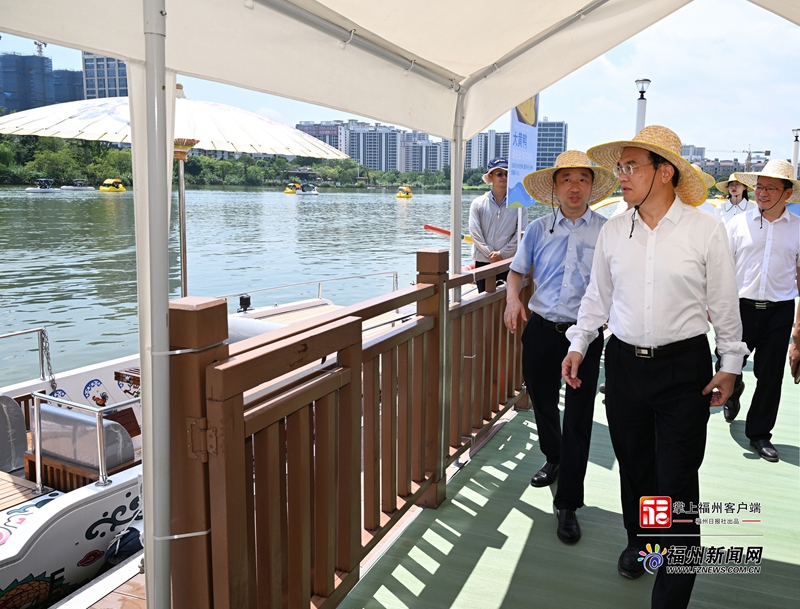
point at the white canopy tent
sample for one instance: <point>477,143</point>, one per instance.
<point>425,65</point>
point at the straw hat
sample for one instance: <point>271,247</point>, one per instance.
<point>539,184</point>
<point>664,142</point>
<point>707,178</point>
<point>776,168</point>
<point>723,186</point>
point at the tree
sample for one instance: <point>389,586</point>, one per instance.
<point>57,165</point>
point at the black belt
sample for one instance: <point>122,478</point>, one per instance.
<point>670,349</point>
<point>763,304</point>
<point>558,327</point>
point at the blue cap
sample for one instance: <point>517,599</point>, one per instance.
<point>499,162</point>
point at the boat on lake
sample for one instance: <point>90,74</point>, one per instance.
<point>307,189</point>
<point>404,192</point>
<point>78,184</point>
<point>43,186</point>
<point>291,188</point>
<point>112,185</point>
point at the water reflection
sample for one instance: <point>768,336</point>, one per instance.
<point>69,259</point>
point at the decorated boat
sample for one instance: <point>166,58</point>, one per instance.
<point>112,185</point>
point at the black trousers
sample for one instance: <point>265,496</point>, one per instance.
<point>766,332</point>
<point>657,418</point>
<point>482,282</point>
<point>543,349</point>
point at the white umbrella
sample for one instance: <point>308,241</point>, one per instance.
<point>210,125</point>
<point>215,126</point>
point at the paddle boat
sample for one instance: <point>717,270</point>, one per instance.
<point>307,189</point>
<point>291,188</point>
<point>112,185</point>
<point>78,184</point>
<point>43,185</point>
<point>404,192</point>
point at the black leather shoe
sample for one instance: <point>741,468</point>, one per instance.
<point>545,476</point>
<point>628,564</point>
<point>765,449</point>
<point>731,408</point>
<point>568,531</point>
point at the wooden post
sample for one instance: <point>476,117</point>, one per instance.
<point>194,323</point>
<point>432,265</point>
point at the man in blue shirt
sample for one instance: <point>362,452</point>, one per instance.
<point>560,248</point>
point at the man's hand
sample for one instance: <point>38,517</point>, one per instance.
<point>794,356</point>
<point>720,387</point>
<point>514,311</point>
<point>569,369</point>
<point>495,257</point>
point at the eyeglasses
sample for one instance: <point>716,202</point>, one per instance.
<point>771,190</point>
<point>500,174</point>
<point>627,169</point>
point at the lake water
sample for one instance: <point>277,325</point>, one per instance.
<point>69,259</point>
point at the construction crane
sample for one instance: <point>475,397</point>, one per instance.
<point>749,152</point>
<point>40,46</point>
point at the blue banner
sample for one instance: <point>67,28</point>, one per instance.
<point>522,143</point>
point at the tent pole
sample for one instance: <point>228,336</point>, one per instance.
<point>456,182</point>
<point>154,340</point>
<point>182,212</point>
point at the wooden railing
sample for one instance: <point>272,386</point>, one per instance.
<point>276,467</point>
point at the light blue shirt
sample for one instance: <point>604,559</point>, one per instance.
<point>562,262</point>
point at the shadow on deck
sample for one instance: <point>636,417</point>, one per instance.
<point>492,543</point>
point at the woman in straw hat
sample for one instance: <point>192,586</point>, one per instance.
<point>655,269</point>
<point>560,252</point>
<point>765,243</point>
<point>737,203</point>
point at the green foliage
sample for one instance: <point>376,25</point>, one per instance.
<point>23,158</point>
<point>60,165</point>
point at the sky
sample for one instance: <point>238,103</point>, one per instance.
<point>721,73</point>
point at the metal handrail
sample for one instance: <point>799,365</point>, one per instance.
<point>319,283</point>
<point>41,331</point>
<point>101,438</point>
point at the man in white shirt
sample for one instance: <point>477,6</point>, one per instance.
<point>737,202</point>
<point>765,243</point>
<point>493,225</point>
<point>560,251</point>
<point>656,268</point>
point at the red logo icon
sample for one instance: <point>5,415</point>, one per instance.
<point>655,512</point>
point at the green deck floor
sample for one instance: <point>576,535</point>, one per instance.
<point>493,544</point>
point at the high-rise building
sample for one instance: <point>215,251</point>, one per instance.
<point>446,146</point>
<point>551,141</point>
<point>68,85</point>
<point>26,82</point>
<point>382,147</point>
<point>333,133</point>
<point>484,147</point>
<point>375,146</point>
<point>692,153</point>
<point>420,155</point>
<point>104,76</point>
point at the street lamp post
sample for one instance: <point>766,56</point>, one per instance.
<point>641,104</point>
<point>795,133</point>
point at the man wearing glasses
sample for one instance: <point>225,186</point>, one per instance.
<point>656,267</point>
<point>765,243</point>
<point>492,225</point>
